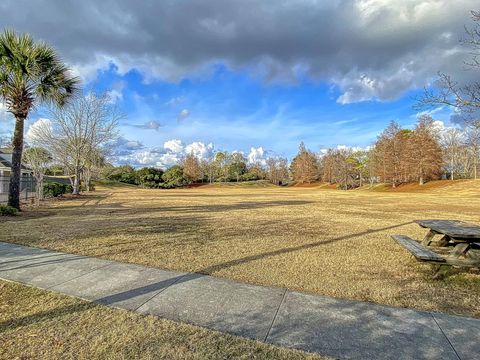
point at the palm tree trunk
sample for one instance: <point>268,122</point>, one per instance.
<point>14,187</point>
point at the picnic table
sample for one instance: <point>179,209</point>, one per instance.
<point>458,245</point>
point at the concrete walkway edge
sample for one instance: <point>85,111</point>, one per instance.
<point>343,329</point>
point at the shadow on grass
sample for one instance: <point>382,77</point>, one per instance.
<point>212,269</point>
<point>156,288</point>
<point>44,316</point>
<point>119,207</point>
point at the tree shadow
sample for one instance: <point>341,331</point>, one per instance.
<point>44,316</point>
<point>162,285</point>
<point>212,269</point>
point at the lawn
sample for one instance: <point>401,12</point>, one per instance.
<point>318,240</point>
<point>40,324</point>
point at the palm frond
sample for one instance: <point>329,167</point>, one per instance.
<point>32,72</point>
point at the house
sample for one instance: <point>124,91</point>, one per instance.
<point>6,170</point>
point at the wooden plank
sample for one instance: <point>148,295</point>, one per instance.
<point>427,240</point>
<point>459,250</point>
<point>443,241</point>
<point>418,250</point>
<point>471,263</point>
<point>453,228</point>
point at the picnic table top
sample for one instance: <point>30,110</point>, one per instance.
<point>453,228</point>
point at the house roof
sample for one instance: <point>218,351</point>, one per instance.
<point>6,159</point>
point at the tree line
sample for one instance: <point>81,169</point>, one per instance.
<point>426,152</point>
<point>220,167</point>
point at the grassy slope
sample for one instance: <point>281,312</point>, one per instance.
<point>334,243</point>
<point>40,324</point>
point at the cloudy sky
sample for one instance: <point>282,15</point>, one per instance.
<point>248,75</point>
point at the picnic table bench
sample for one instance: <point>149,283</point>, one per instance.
<point>459,244</point>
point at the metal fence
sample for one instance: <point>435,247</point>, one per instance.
<point>27,188</point>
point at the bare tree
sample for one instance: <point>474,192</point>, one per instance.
<point>472,139</point>
<point>424,151</point>
<point>389,157</point>
<point>37,159</point>
<point>93,162</point>
<point>86,124</point>
<point>5,142</point>
<point>451,140</point>
<point>464,97</point>
<point>277,170</point>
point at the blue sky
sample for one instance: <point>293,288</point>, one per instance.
<point>246,75</point>
<point>236,111</point>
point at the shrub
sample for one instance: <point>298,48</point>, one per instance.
<point>6,210</point>
<point>125,174</point>
<point>173,177</point>
<point>55,189</point>
<point>249,177</point>
<point>149,177</point>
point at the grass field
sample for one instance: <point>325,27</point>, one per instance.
<point>37,324</point>
<point>318,240</point>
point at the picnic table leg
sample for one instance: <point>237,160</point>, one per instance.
<point>459,250</point>
<point>442,271</point>
<point>428,238</point>
<point>444,241</point>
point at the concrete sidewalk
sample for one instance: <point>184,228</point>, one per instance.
<point>338,328</point>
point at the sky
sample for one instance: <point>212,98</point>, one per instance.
<point>246,75</point>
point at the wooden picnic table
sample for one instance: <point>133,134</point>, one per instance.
<point>458,246</point>
<point>455,229</point>
<point>457,241</point>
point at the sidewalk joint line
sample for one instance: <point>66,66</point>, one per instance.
<point>79,276</point>
<point>161,290</point>
<point>275,316</point>
<point>446,337</point>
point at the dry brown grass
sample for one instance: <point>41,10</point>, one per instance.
<point>329,242</point>
<point>37,324</point>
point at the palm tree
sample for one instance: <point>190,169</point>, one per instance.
<point>31,73</point>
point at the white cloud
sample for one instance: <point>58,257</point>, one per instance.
<point>4,115</point>
<point>38,126</point>
<point>430,112</point>
<point>183,114</point>
<point>324,151</point>
<point>256,155</point>
<point>200,149</point>
<point>174,146</point>
<point>175,101</point>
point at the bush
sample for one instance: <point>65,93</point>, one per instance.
<point>249,177</point>
<point>173,177</point>
<point>125,174</point>
<point>55,189</point>
<point>149,177</point>
<point>6,210</point>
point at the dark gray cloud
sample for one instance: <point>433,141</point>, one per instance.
<point>124,147</point>
<point>462,118</point>
<point>368,48</point>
